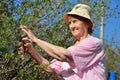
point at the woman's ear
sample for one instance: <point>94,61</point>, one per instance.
<point>86,25</point>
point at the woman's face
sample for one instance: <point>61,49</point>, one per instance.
<point>77,27</point>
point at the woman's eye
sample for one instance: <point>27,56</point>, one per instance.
<point>69,23</point>
<point>74,21</point>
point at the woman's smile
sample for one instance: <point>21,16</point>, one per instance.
<point>74,29</point>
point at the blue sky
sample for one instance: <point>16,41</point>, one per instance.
<point>112,27</point>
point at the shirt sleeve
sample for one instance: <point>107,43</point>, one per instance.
<point>56,66</point>
<point>85,54</point>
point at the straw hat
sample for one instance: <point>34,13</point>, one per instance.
<point>81,10</point>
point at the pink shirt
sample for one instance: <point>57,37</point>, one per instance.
<point>88,61</point>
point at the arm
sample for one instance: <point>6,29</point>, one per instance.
<point>36,56</point>
<point>53,50</point>
<point>40,60</point>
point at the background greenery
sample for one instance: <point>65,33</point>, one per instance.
<point>45,19</point>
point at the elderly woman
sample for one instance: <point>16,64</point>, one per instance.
<point>84,60</point>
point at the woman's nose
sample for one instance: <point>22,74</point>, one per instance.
<point>71,25</point>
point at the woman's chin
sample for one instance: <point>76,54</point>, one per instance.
<point>77,36</point>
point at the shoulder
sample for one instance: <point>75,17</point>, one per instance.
<point>97,43</point>
<point>92,41</point>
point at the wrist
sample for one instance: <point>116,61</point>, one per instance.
<point>35,39</point>
<point>32,51</point>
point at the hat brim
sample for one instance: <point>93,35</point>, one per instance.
<point>74,13</point>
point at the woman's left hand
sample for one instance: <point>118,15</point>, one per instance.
<point>28,32</point>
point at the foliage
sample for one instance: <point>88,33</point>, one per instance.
<point>44,18</point>
<point>113,59</point>
<point>40,16</point>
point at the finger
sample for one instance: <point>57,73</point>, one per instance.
<point>20,44</point>
<point>21,50</point>
<point>27,44</point>
<point>28,47</point>
<point>24,28</point>
<point>27,40</point>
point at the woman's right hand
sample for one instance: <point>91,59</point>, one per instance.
<point>28,32</point>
